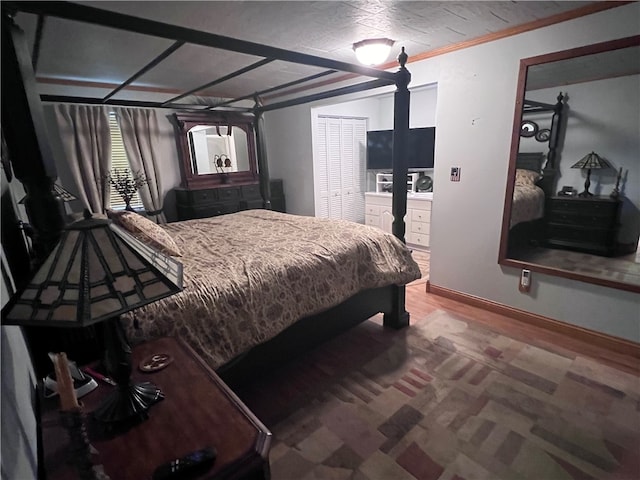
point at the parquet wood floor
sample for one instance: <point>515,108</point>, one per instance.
<point>419,303</point>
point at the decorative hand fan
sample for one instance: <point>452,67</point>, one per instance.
<point>424,184</point>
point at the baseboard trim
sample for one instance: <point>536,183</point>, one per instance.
<point>603,340</point>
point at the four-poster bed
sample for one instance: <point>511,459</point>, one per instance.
<point>33,163</point>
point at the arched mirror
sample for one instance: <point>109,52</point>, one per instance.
<point>215,149</point>
<point>572,204</point>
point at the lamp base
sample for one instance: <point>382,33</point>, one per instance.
<point>128,404</point>
<point>585,194</point>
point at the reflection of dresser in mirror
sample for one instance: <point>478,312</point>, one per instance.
<point>587,225</point>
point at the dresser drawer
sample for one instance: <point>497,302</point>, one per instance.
<point>230,193</point>
<point>580,235</point>
<point>251,204</point>
<point>420,227</point>
<point>372,210</point>
<point>372,220</point>
<point>418,239</point>
<point>583,207</point>
<point>593,221</point>
<point>421,215</point>
<point>196,197</point>
<point>251,191</point>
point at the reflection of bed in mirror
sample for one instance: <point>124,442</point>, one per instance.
<point>528,196</point>
<point>527,205</point>
<point>602,81</point>
<point>535,172</point>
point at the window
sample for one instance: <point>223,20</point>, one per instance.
<point>120,161</point>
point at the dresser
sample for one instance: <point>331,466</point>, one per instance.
<point>198,410</point>
<point>588,224</point>
<point>418,218</point>
<point>210,202</point>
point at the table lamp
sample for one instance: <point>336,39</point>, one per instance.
<point>589,161</point>
<point>96,273</point>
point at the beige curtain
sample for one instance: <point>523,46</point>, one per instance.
<point>141,136</point>
<point>84,131</point>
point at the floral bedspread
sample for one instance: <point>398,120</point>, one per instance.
<point>249,275</point>
<point>528,204</point>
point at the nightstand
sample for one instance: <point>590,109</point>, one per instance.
<point>587,224</point>
<point>198,410</point>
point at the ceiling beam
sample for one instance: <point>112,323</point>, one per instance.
<point>125,103</point>
<point>273,89</point>
<point>35,53</point>
<point>96,16</point>
<point>146,68</point>
<point>360,87</point>
<point>237,73</point>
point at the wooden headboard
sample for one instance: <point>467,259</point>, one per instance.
<point>530,161</point>
<point>534,161</point>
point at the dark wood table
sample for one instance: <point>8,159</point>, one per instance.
<point>198,410</point>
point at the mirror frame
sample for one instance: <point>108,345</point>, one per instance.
<point>525,63</point>
<point>183,122</point>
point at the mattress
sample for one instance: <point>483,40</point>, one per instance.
<point>251,274</point>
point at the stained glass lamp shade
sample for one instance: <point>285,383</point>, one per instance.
<point>589,161</point>
<point>96,273</point>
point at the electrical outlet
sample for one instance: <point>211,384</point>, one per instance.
<point>525,280</point>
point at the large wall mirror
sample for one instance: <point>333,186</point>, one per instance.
<point>215,149</point>
<point>572,204</point>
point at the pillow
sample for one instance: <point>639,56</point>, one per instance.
<point>146,231</point>
<point>527,177</point>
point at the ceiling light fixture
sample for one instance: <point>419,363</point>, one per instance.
<point>373,51</point>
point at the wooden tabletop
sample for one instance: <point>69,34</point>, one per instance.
<point>199,410</point>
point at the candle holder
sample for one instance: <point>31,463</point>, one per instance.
<point>79,446</point>
<point>616,190</point>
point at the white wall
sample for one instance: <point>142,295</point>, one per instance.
<point>290,154</point>
<point>474,118</point>
<point>422,111</point>
<point>18,446</point>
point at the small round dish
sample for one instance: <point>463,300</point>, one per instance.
<point>155,362</point>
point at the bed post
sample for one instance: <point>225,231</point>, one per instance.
<point>550,169</point>
<point>399,317</point>
<point>263,165</point>
<point>25,133</point>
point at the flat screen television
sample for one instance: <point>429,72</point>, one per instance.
<point>421,148</point>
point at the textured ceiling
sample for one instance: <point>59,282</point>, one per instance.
<point>75,51</point>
